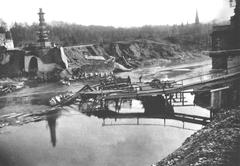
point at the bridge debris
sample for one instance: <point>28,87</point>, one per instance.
<point>162,84</point>
<point>10,86</point>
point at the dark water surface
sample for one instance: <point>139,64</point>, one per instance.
<point>73,138</point>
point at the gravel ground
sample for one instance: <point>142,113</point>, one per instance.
<point>217,144</point>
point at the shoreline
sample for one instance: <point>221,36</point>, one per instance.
<point>217,144</point>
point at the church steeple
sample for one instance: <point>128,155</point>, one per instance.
<point>197,18</point>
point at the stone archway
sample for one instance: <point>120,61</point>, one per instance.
<point>33,66</point>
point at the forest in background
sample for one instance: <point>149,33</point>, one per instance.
<point>188,36</point>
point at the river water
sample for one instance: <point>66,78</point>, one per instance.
<point>71,137</point>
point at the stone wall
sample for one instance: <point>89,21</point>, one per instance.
<point>226,60</point>
<point>233,63</point>
<point>219,62</point>
<point>222,38</point>
<point>42,67</point>
<point>15,65</point>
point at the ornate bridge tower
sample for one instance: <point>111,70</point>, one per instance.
<point>43,32</point>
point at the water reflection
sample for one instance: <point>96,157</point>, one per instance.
<point>52,122</point>
<point>145,110</point>
<point>155,105</point>
<point>148,108</point>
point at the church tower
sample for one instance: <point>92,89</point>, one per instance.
<point>43,32</point>
<point>197,18</point>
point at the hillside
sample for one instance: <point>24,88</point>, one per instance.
<point>139,53</point>
<point>127,55</point>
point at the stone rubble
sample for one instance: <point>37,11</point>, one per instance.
<point>9,85</point>
<point>217,144</point>
<point>17,119</point>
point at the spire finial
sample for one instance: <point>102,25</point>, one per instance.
<point>197,18</point>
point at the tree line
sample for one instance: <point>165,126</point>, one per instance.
<point>189,36</point>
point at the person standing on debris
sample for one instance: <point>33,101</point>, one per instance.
<point>129,80</point>
<point>140,79</point>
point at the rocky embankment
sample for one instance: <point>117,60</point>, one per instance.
<point>127,55</point>
<point>138,53</point>
<point>122,56</point>
<point>217,144</point>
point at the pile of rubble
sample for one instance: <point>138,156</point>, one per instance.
<point>217,144</point>
<point>69,75</point>
<point>8,86</point>
<point>17,119</point>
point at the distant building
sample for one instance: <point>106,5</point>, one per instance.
<point>6,39</point>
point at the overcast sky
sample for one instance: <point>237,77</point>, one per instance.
<point>118,13</point>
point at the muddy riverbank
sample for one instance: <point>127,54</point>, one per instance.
<point>216,144</point>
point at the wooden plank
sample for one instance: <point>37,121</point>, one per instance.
<point>220,89</point>
<point>181,117</point>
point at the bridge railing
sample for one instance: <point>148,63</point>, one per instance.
<point>208,75</point>
<point>190,79</point>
